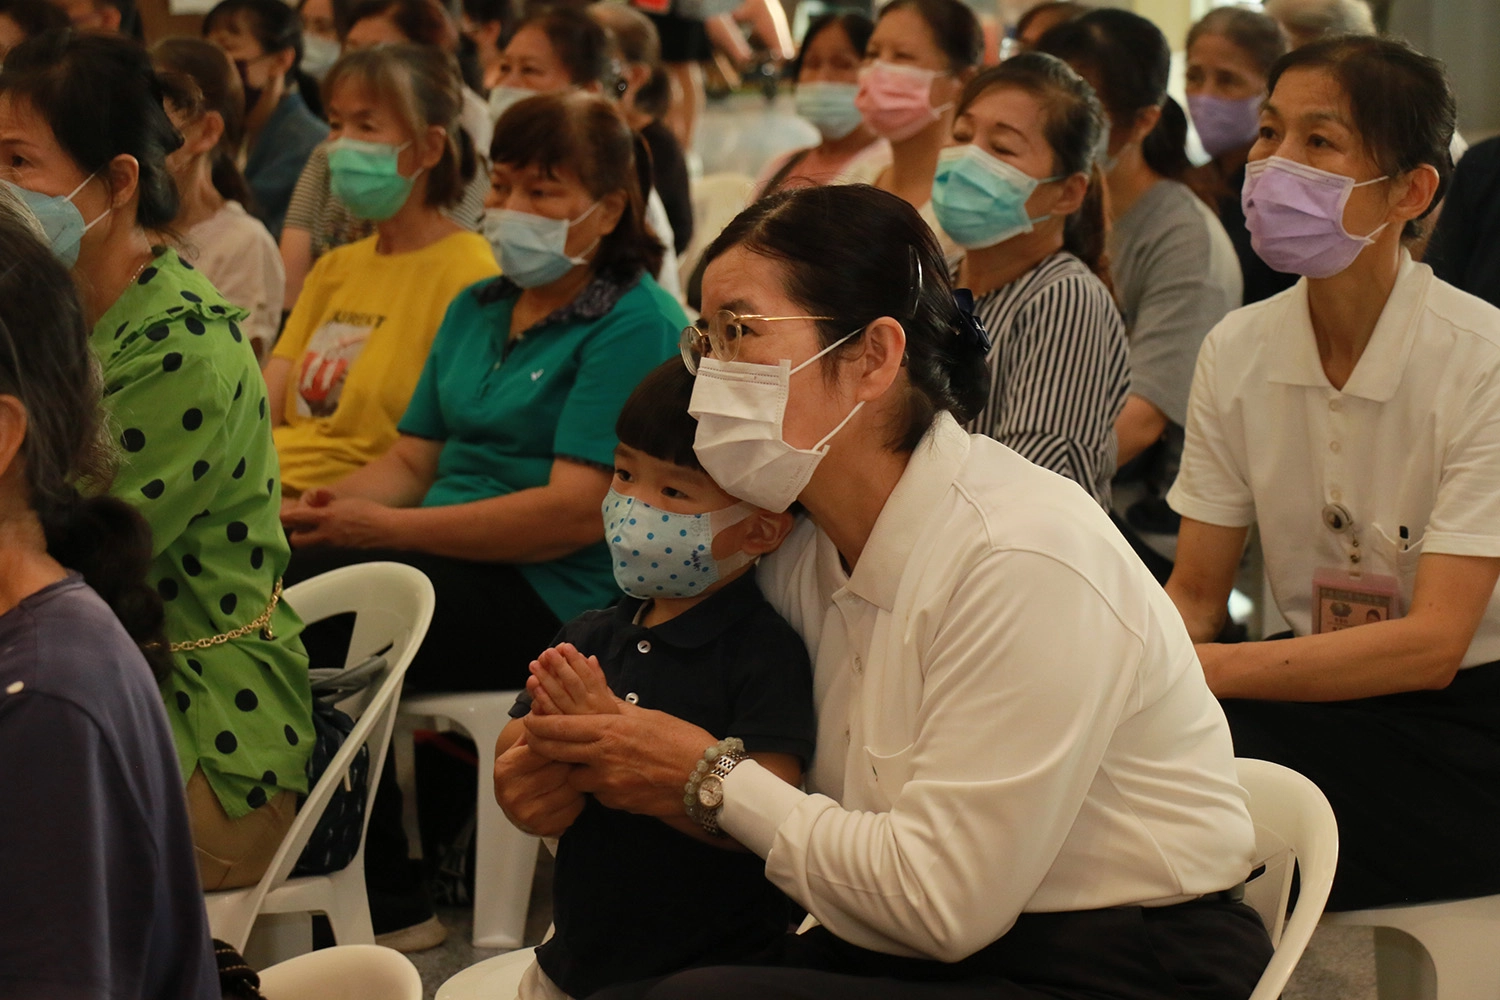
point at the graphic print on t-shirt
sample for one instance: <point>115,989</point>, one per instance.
<point>331,353</point>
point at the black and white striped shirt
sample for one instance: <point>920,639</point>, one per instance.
<point>1061,371</point>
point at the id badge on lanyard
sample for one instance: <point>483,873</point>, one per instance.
<point>1347,596</point>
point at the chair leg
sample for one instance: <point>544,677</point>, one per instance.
<point>1403,968</point>
<point>504,860</point>
<point>277,937</point>
<point>404,760</point>
<point>349,914</point>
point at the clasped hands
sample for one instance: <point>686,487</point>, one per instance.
<point>319,517</point>
<point>579,739</point>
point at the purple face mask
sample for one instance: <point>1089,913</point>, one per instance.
<point>1295,214</point>
<point>1224,125</point>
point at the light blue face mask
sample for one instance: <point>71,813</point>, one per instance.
<point>829,107</point>
<point>503,98</point>
<point>532,249</point>
<point>979,199</point>
<point>364,176</point>
<point>59,217</point>
<point>660,554</point>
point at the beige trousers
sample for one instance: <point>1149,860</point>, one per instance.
<point>235,852</point>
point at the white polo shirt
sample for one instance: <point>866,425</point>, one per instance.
<point>1412,441</point>
<point>1011,718</point>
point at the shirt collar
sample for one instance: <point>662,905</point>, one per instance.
<point>596,300</point>
<point>934,465</point>
<point>1294,358</point>
<point>705,621</point>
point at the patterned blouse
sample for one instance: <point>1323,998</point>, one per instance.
<point>187,405</point>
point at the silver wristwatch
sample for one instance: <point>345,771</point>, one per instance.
<point>704,796</point>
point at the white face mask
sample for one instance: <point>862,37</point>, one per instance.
<point>739,407</point>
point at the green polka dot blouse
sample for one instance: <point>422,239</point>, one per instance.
<point>187,406</point>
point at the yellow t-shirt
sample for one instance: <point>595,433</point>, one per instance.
<point>357,341</point>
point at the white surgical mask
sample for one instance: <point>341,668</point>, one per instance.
<point>532,249</point>
<point>739,407</point>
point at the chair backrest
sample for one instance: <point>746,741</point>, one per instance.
<point>392,604</point>
<point>366,971</point>
<point>1294,829</point>
<point>717,199</point>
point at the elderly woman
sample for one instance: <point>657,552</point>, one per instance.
<point>1022,783</point>
<point>84,138</point>
<point>93,798</point>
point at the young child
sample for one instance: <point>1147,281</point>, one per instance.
<point>638,896</point>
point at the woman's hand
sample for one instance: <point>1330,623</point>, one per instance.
<point>638,760</point>
<point>535,792</point>
<point>320,518</point>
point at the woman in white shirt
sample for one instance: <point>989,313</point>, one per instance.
<point>1355,420</point>
<point>1021,778</point>
<point>231,247</point>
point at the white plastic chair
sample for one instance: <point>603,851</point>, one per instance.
<point>392,604</point>
<point>345,972</point>
<point>1433,951</point>
<point>504,857</point>
<point>495,978</point>
<point>1294,827</point>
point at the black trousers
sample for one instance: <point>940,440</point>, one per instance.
<point>1208,950</point>
<point>1413,778</point>
<point>486,629</point>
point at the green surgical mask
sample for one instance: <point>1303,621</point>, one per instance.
<point>363,175</point>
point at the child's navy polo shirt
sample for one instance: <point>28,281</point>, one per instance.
<point>632,897</point>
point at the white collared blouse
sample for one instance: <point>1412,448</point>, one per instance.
<point>1011,718</point>
<point>1411,443</point>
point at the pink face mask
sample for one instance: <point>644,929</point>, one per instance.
<point>1295,214</point>
<point>1223,124</point>
<point>896,100</point>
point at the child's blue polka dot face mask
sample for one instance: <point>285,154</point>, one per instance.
<point>660,554</point>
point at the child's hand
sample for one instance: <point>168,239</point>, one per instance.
<point>565,682</point>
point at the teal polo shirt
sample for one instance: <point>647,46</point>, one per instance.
<point>505,409</point>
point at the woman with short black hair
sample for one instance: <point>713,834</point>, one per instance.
<point>1355,421</point>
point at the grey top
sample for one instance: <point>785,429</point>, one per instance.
<point>1176,275</point>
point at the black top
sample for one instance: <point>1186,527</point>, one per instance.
<point>1465,246</point>
<point>633,898</point>
<point>1260,281</point>
<point>99,893</point>
<point>669,172</point>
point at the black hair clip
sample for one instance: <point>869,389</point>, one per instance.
<point>969,326</point>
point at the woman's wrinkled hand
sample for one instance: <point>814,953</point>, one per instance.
<point>637,760</point>
<point>535,792</point>
<point>344,522</point>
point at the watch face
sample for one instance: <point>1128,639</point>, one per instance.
<point>711,792</point>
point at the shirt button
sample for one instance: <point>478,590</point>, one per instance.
<point>496,368</point>
<point>1334,447</point>
<point>643,646</point>
<point>633,698</point>
<point>1335,405</point>
<point>1335,494</point>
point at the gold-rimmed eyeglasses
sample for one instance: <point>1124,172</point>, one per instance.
<point>719,336</point>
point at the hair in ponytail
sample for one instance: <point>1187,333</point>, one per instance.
<point>46,363</point>
<point>1073,123</point>
<point>857,254</point>
<point>197,77</point>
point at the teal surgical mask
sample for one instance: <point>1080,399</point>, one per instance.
<point>59,218</point>
<point>364,176</point>
<point>980,199</point>
<point>829,107</point>
<point>532,249</point>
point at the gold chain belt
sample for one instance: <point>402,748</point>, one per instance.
<point>263,623</point>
